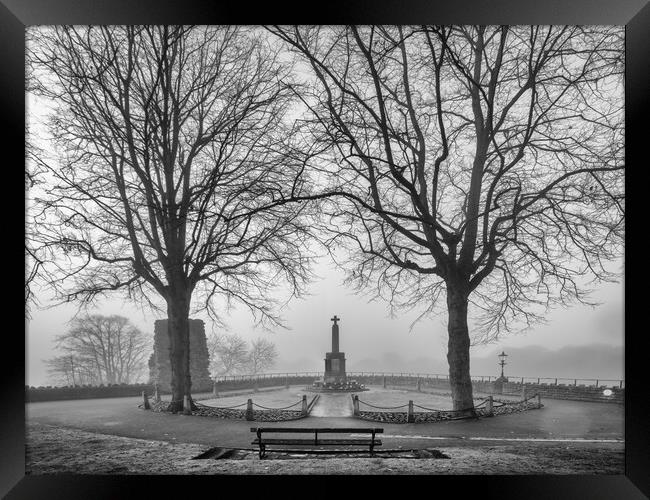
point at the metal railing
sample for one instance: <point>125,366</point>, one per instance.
<point>587,382</point>
<point>591,382</point>
<point>265,376</point>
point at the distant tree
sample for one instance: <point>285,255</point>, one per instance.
<point>481,167</point>
<point>261,356</point>
<point>73,370</point>
<point>101,349</point>
<point>174,159</point>
<point>228,354</point>
<point>61,370</point>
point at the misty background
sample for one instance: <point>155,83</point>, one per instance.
<point>577,342</point>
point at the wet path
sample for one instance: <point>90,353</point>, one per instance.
<point>333,405</point>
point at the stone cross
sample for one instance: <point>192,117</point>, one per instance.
<point>335,334</point>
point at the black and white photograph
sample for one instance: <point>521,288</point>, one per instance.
<point>325,249</point>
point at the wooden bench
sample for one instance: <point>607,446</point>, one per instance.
<point>263,442</point>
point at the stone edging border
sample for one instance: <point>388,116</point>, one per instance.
<point>240,414</point>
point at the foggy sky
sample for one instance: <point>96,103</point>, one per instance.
<point>581,341</point>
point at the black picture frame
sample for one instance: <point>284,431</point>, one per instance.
<point>634,14</point>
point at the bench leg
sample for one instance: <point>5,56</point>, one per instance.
<point>262,451</point>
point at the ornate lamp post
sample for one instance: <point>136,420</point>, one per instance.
<point>498,383</point>
<point>502,362</point>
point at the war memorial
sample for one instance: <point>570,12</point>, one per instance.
<point>334,378</point>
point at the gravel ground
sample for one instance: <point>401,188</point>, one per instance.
<point>55,450</point>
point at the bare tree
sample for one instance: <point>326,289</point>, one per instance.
<point>73,370</point>
<point>61,370</point>
<point>108,349</point>
<point>33,153</point>
<point>482,162</point>
<point>228,354</point>
<point>174,160</point>
<point>261,356</point>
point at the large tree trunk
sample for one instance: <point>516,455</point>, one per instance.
<point>458,348</point>
<point>179,348</point>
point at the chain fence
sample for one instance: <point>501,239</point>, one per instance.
<point>237,412</point>
<point>382,407</point>
<point>283,408</point>
<point>481,409</point>
<point>201,405</point>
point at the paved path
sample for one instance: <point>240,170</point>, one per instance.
<point>333,405</point>
<point>558,420</point>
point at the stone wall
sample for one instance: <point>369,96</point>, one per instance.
<point>572,392</point>
<point>160,366</point>
<point>408,382</point>
<point>551,391</point>
<point>34,394</point>
<point>246,382</point>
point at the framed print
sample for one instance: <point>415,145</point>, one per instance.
<point>438,175</point>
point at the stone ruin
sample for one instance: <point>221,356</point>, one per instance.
<point>160,366</point>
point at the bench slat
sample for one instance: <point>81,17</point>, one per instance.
<point>310,442</point>
<point>299,430</point>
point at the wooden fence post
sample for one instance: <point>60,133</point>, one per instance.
<point>355,404</point>
<point>539,400</point>
<point>249,409</point>
<point>384,381</point>
<point>489,406</point>
<point>523,392</point>
<point>304,404</point>
<point>410,418</point>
